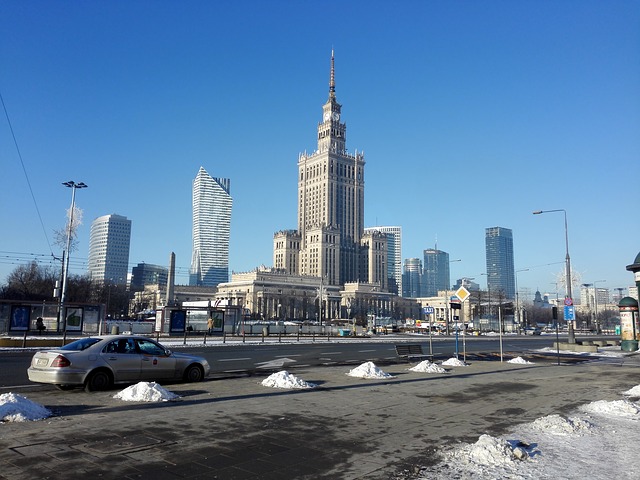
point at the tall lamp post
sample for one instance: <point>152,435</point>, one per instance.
<point>569,295</point>
<point>519,320</point>
<point>73,186</point>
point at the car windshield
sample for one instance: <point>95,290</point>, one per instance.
<point>81,344</point>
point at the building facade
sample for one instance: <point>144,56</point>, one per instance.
<point>394,256</point>
<point>435,272</point>
<point>109,244</point>
<point>145,274</point>
<point>212,204</point>
<point>500,264</point>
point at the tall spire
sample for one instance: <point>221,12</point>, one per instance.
<point>332,79</point>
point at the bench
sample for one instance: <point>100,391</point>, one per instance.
<point>411,351</point>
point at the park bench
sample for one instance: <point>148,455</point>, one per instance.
<point>411,351</point>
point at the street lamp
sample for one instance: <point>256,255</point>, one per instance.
<point>73,186</point>
<point>517,303</point>
<point>569,296</point>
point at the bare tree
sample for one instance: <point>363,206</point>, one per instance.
<point>30,282</point>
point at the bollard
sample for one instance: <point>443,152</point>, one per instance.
<point>263,336</point>
<point>224,337</point>
<point>184,341</point>
<point>279,337</point>
<point>204,341</point>
<point>24,339</point>
<point>243,333</point>
<point>313,338</point>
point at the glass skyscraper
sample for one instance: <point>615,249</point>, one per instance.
<point>500,267</point>
<point>435,273</point>
<point>211,230</point>
<point>109,243</point>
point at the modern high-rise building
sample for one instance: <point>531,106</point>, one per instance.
<point>394,256</point>
<point>109,243</point>
<point>328,242</point>
<point>212,204</point>
<point>500,266</point>
<point>412,278</point>
<point>435,272</point>
<point>145,274</point>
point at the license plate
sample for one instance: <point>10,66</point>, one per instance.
<point>42,362</point>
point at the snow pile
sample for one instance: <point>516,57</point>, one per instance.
<point>16,408</point>
<point>454,362</point>
<point>559,425</point>
<point>284,379</point>
<point>634,392</point>
<point>617,408</point>
<point>368,370</point>
<point>488,451</point>
<point>519,360</point>
<point>145,392</point>
<point>427,367</point>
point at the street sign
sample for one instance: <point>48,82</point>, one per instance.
<point>429,310</point>
<point>462,293</point>
<point>569,312</point>
<point>568,301</point>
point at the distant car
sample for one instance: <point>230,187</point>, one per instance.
<point>532,331</point>
<point>99,362</point>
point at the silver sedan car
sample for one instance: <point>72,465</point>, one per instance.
<point>99,362</point>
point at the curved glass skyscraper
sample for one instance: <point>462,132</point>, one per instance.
<point>211,230</point>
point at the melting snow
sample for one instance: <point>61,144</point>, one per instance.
<point>284,379</point>
<point>634,392</point>
<point>16,408</point>
<point>368,370</point>
<point>558,425</point>
<point>145,392</point>
<point>519,360</point>
<point>427,367</point>
<point>618,408</point>
<point>454,362</point>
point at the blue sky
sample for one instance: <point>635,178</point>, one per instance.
<point>471,114</point>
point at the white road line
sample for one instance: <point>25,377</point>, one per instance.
<point>330,353</point>
<point>365,351</point>
<point>233,359</point>
<point>279,356</point>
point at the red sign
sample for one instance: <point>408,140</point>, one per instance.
<point>568,302</point>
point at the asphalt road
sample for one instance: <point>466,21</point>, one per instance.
<point>235,357</point>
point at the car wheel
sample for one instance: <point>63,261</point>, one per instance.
<point>65,387</point>
<point>193,373</point>
<point>98,380</point>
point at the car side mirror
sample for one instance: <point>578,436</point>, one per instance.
<point>167,352</point>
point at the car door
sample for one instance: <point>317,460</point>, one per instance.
<point>156,364</point>
<point>124,359</point>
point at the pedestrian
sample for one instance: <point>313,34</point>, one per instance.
<point>40,325</point>
<point>210,325</point>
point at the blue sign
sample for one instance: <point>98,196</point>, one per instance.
<point>429,310</point>
<point>569,312</point>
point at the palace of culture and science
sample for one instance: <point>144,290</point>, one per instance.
<point>330,267</point>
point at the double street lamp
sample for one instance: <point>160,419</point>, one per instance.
<point>65,268</point>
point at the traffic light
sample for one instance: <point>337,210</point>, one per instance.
<point>554,313</point>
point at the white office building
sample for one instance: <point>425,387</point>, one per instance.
<point>109,244</point>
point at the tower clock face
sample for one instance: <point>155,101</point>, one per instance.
<point>326,116</point>
<point>335,116</point>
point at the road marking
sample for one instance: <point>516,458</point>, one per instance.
<point>21,386</point>
<point>233,359</point>
<point>365,351</point>
<point>285,356</point>
<point>278,363</point>
<point>330,353</point>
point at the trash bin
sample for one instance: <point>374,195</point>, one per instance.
<point>265,331</point>
<point>115,330</point>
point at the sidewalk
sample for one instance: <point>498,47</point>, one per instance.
<point>234,428</point>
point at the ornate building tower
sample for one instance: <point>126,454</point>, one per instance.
<point>331,201</point>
